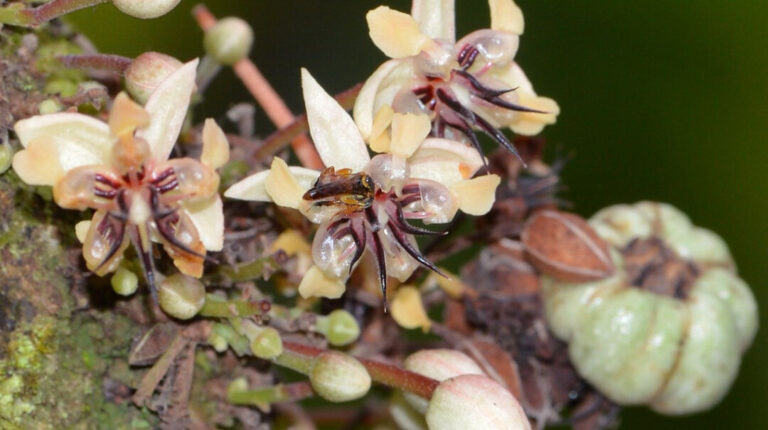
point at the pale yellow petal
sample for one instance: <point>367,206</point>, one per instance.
<point>292,242</point>
<point>506,16</point>
<point>215,145</point>
<point>408,132</point>
<point>445,161</point>
<point>39,164</point>
<point>167,108</point>
<point>126,115</point>
<point>335,134</point>
<point>476,196</point>
<point>208,217</point>
<point>408,309</point>
<point>317,284</point>
<point>364,105</point>
<point>436,18</point>
<point>531,123</point>
<point>379,140</point>
<point>282,187</point>
<point>76,139</point>
<point>451,284</point>
<point>395,33</point>
<point>253,187</point>
<point>81,230</point>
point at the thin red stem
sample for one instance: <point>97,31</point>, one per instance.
<point>114,63</point>
<point>266,96</point>
<point>383,373</point>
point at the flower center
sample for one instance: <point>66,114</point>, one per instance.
<point>652,266</point>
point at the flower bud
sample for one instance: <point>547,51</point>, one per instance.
<point>470,402</point>
<point>124,282</point>
<point>267,344</point>
<point>147,72</point>
<point>181,296</point>
<point>6,155</point>
<point>145,9</point>
<point>49,106</point>
<point>339,327</point>
<point>438,364</point>
<point>338,377</point>
<point>228,41</point>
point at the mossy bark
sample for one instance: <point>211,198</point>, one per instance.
<point>62,360</point>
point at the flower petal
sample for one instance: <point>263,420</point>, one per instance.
<point>506,16</point>
<point>282,187</point>
<point>215,145</point>
<point>126,116</point>
<point>379,140</point>
<point>253,187</point>
<point>408,309</point>
<point>208,217</point>
<point>167,107</point>
<point>317,284</point>
<point>77,189</point>
<point>336,137</point>
<point>81,230</point>
<point>365,103</point>
<point>60,142</point>
<point>436,18</point>
<point>476,196</point>
<point>408,132</point>
<point>395,33</point>
<point>445,161</point>
<point>531,123</point>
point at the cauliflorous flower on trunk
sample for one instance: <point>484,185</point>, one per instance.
<point>121,169</point>
<point>472,84</point>
<point>363,203</point>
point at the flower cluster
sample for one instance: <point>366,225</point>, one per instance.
<point>363,203</point>
<point>121,170</point>
<point>462,86</point>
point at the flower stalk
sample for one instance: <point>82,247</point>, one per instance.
<point>239,394</point>
<point>299,357</point>
<point>16,14</point>
<point>108,62</point>
<point>265,95</point>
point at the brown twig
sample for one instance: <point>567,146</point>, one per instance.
<point>266,96</point>
<point>113,63</point>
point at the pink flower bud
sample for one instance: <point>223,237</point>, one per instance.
<point>474,402</point>
<point>147,72</point>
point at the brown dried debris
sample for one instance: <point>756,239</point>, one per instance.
<point>564,246</point>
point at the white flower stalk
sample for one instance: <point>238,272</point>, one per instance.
<point>472,84</point>
<point>364,204</point>
<point>121,169</point>
<point>668,329</point>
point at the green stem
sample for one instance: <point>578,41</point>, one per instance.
<point>217,307</point>
<point>16,14</point>
<point>268,395</point>
<point>297,361</point>
<point>248,271</point>
<point>237,342</point>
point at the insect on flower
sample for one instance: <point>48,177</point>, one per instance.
<point>472,84</point>
<point>363,203</point>
<point>121,169</point>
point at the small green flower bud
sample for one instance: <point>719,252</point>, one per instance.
<point>49,106</point>
<point>147,72</point>
<point>338,377</point>
<point>62,87</point>
<point>237,386</point>
<point>6,155</point>
<point>474,402</point>
<point>124,282</point>
<point>181,296</point>
<point>145,9</point>
<point>229,40</point>
<point>267,344</point>
<point>339,327</point>
<point>218,342</point>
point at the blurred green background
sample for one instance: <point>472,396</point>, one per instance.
<point>660,100</point>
